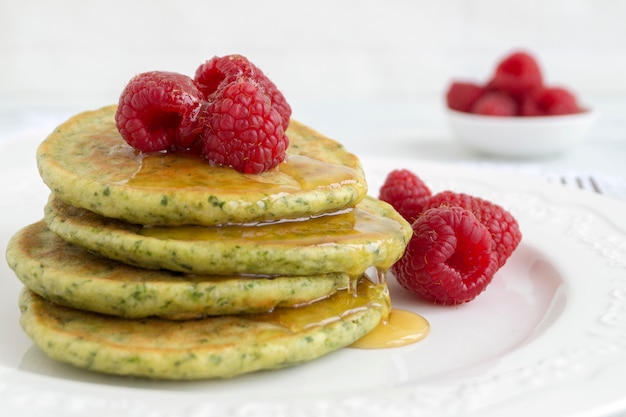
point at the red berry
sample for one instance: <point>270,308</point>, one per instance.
<point>529,107</point>
<point>502,226</point>
<point>517,74</point>
<point>495,103</point>
<point>461,96</point>
<point>244,131</point>
<point>406,192</point>
<point>449,259</point>
<point>217,72</point>
<point>159,111</point>
<point>556,100</point>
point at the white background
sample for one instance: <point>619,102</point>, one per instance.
<point>371,74</point>
<point>67,50</point>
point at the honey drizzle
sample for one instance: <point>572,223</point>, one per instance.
<point>401,328</point>
<point>330,309</point>
<point>175,171</point>
<point>397,327</point>
<point>186,170</point>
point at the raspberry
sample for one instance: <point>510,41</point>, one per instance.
<point>406,192</point>
<point>461,96</point>
<point>495,103</point>
<point>244,131</point>
<point>529,107</point>
<point>502,226</point>
<point>217,72</point>
<point>556,100</point>
<point>517,74</point>
<point>449,259</point>
<point>160,111</point>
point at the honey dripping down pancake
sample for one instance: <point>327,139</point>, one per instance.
<point>215,347</point>
<point>304,235</point>
<point>86,163</point>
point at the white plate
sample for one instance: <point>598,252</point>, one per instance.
<point>547,337</point>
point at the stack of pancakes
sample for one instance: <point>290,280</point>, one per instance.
<point>163,266</point>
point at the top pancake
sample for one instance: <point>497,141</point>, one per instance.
<point>86,163</point>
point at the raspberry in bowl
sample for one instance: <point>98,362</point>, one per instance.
<point>515,113</point>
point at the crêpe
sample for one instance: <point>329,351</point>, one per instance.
<point>372,234</point>
<point>86,163</point>
<point>213,347</point>
<point>72,276</point>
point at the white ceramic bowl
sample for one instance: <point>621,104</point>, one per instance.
<point>521,137</point>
